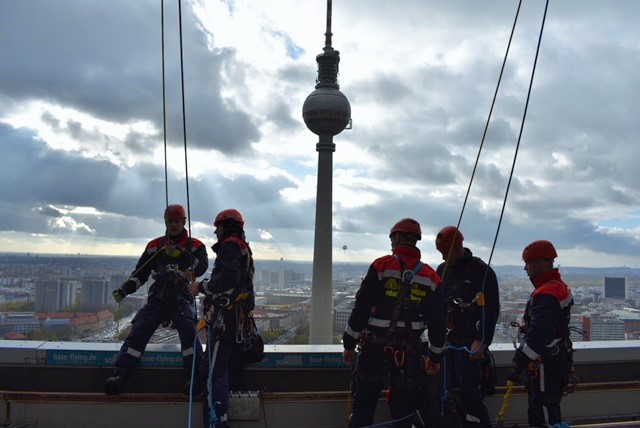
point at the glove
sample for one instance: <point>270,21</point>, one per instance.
<point>124,290</point>
<point>514,372</point>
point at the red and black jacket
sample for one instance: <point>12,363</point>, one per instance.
<point>377,296</point>
<point>188,254</point>
<point>546,318</point>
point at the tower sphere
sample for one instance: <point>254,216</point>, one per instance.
<point>326,111</point>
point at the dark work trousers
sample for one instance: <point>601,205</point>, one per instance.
<point>236,369</point>
<point>373,366</point>
<point>545,387</point>
<point>464,374</point>
<point>146,322</point>
<point>219,378</point>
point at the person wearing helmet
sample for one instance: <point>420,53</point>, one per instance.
<point>172,258</point>
<point>546,351</point>
<point>396,302</point>
<point>470,290</point>
<point>229,300</point>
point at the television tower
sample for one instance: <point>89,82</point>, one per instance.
<point>326,112</point>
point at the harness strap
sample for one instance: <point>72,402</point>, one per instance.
<point>407,278</point>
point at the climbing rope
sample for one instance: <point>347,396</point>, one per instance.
<point>477,161</point>
<point>475,167</point>
<point>446,393</point>
<point>186,168</point>
<point>504,203</point>
<point>507,397</point>
<point>164,109</point>
<point>184,120</point>
<point>506,402</point>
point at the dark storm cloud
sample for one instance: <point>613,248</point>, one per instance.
<point>106,60</point>
<point>37,174</point>
<point>40,182</point>
<point>282,116</point>
<point>381,88</point>
<point>258,199</point>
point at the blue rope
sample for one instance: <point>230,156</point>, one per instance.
<point>213,406</point>
<point>193,372</point>
<point>391,423</point>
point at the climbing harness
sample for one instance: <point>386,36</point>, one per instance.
<point>479,300</point>
<point>392,346</point>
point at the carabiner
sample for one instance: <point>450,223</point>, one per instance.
<point>399,360</point>
<point>407,276</point>
<point>222,301</point>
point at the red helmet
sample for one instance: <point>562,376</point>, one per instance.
<point>539,250</point>
<point>407,225</point>
<point>449,237</point>
<point>175,211</point>
<point>230,214</point>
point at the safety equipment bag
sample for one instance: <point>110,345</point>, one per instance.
<point>254,348</point>
<point>487,374</point>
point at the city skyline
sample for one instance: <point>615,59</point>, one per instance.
<point>81,122</point>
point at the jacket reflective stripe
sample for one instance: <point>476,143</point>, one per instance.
<point>436,349</point>
<point>377,322</point>
<point>351,332</point>
<point>564,303</point>
<point>205,287</point>
<point>533,354</point>
<point>417,278</point>
<point>133,352</point>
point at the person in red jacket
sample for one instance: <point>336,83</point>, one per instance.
<point>546,352</point>
<point>171,260</point>
<point>396,301</point>
<point>229,299</point>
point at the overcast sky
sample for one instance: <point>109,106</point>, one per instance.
<point>82,130</point>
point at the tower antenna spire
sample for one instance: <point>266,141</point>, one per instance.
<point>328,34</point>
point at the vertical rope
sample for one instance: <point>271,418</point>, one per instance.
<point>197,349</point>
<point>164,109</point>
<point>475,167</point>
<point>524,116</point>
<point>184,122</point>
<point>504,203</point>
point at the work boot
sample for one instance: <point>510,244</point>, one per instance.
<point>113,385</point>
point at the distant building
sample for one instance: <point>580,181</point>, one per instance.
<point>341,314</point>
<point>603,329</point>
<point>291,279</point>
<point>48,295</point>
<point>615,288</point>
<point>272,279</point>
<point>94,294</point>
<point>80,324</point>
<point>272,320</point>
<point>281,280</point>
<point>21,322</point>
